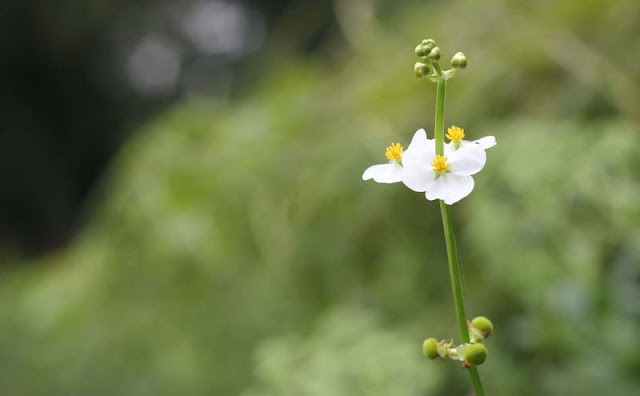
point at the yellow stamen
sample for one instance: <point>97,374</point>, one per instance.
<point>455,134</point>
<point>440,164</point>
<point>394,152</point>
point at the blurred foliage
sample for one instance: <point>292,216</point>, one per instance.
<point>235,250</point>
<point>349,354</point>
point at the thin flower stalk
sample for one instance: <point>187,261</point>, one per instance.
<point>450,239</point>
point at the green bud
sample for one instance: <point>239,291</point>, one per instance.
<point>475,355</point>
<point>421,69</point>
<point>434,55</point>
<point>429,42</point>
<point>426,46</point>
<point>430,348</point>
<point>459,61</point>
<point>421,50</point>
<point>483,324</point>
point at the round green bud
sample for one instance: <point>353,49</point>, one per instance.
<point>421,69</point>
<point>430,348</point>
<point>459,61</point>
<point>427,46</point>
<point>429,42</point>
<point>421,50</point>
<point>483,324</point>
<point>434,55</point>
<point>475,354</point>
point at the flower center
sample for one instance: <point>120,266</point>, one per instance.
<point>394,152</point>
<point>455,134</point>
<point>440,164</point>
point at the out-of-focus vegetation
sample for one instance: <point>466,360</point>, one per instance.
<point>236,250</point>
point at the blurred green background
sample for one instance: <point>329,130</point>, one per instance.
<point>231,248</point>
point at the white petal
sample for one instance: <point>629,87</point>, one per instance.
<point>418,179</point>
<point>438,189</point>
<point>461,186</point>
<point>467,160</point>
<point>449,148</point>
<point>486,142</point>
<point>384,173</point>
<point>416,162</point>
<point>450,188</point>
<point>420,152</point>
<point>418,138</point>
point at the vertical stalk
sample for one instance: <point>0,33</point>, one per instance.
<point>454,272</point>
<point>439,127</point>
<point>452,250</point>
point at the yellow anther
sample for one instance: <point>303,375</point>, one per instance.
<point>440,164</point>
<point>455,134</point>
<point>394,152</point>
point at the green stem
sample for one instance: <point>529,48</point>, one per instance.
<point>452,250</point>
<point>454,272</point>
<point>436,68</point>
<point>439,128</point>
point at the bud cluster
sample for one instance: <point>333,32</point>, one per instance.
<point>429,54</point>
<point>470,354</point>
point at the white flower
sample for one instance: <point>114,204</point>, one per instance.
<point>390,172</point>
<point>446,177</point>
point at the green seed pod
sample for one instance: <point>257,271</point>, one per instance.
<point>430,348</point>
<point>483,324</point>
<point>434,55</point>
<point>459,61</point>
<point>475,355</point>
<point>421,50</point>
<point>421,69</point>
